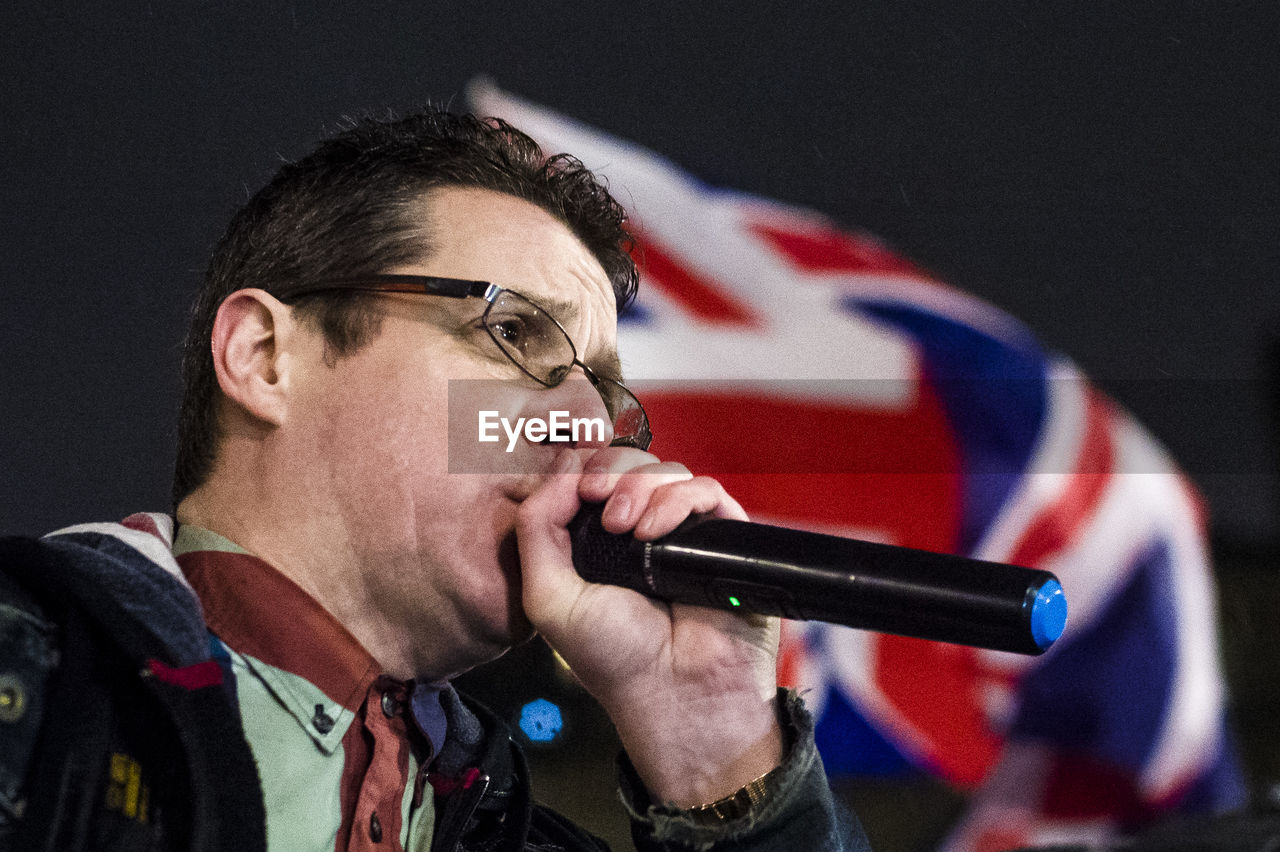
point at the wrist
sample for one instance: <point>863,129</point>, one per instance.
<point>738,803</point>
<point>797,810</point>
<point>710,757</point>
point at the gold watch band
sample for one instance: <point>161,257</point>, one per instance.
<point>735,804</point>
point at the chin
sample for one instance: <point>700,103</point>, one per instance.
<point>495,636</point>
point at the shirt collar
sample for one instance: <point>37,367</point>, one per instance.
<point>259,611</point>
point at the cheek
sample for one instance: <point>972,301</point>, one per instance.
<point>382,428</point>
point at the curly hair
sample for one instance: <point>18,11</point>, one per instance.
<point>353,207</point>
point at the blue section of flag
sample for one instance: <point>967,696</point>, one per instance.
<point>1220,786</point>
<point>1107,692</point>
<point>163,610</point>
<point>635,314</point>
<point>994,395</point>
<point>849,745</point>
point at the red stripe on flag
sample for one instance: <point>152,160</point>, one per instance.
<point>1080,787</point>
<point>963,747</point>
<point>893,471</point>
<point>142,522</point>
<point>791,655</point>
<point>1000,838</point>
<point>1199,507</point>
<point>912,674</point>
<point>1058,524</point>
<point>828,464</point>
<point>826,249</point>
<point>707,300</point>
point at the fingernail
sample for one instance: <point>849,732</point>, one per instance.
<point>620,509</point>
<point>644,529</point>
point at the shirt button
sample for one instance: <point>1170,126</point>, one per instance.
<point>388,705</point>
<point>375,828</point>
<point>322,721</point>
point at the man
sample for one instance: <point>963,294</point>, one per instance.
<point>354,545</point>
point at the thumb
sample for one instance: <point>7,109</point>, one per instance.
<point>550,583</point>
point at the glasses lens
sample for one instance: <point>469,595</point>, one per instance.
<point>537,344</point>
<point>530,337</point>
<point>630,423</point>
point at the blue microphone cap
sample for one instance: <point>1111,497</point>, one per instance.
<point>1048,614</point>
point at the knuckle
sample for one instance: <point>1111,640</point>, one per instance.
<point>675,469</point>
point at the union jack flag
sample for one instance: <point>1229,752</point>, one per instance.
<point>833,385</point>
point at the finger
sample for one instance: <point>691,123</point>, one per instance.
<point>669,505</point>
<point>631,491</point>
<point>605,467</point>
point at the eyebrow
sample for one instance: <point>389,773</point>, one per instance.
<point>566,311</point>
<point>563,310</point>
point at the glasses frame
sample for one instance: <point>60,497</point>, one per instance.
<point>462,288</point>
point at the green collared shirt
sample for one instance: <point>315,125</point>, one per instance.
<point>340,755</point>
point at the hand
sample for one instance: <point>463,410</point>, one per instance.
<point>691,690</point>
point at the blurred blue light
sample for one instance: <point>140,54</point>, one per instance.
<point>541,721</point>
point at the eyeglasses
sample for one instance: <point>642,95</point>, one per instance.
<point>530,337</point>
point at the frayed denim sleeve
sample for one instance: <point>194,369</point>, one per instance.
<point>801,814</point>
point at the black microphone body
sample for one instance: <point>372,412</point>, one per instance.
<point>742,566</point>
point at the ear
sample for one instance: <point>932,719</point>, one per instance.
<point>250,347</point>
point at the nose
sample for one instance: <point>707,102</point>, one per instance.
<point>575,413</point>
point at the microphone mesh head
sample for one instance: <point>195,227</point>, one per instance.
<point>604,557</point>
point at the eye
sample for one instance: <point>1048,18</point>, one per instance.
<point>528,335</point>
<point>512,331</point>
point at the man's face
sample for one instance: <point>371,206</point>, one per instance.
<point>436,549</point>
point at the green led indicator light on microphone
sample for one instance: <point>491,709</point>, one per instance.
<point>735,601</point>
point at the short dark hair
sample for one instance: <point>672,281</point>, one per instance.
<point>353,207</point>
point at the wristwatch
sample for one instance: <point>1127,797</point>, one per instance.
<point>736,804</point>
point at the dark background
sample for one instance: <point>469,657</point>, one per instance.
<point>1108,173</point>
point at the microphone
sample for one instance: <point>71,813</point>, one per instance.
<point>749,567</point>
